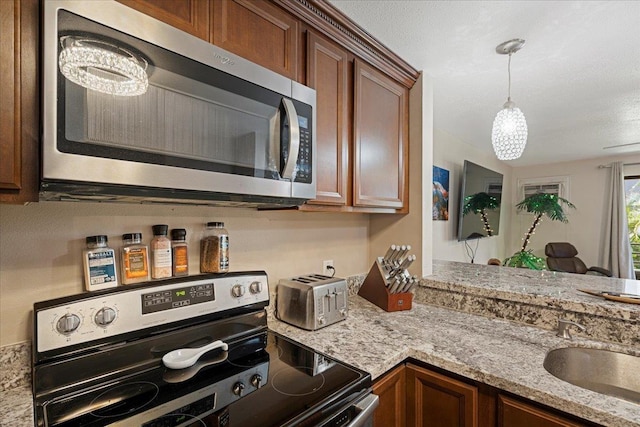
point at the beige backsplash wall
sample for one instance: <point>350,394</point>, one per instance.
<point>41,246</point>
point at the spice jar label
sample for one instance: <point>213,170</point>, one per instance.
<point>224,252</point>
<point>102,268</point>
<point>135,263</point>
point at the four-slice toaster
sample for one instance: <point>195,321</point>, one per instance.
<point>313,301</point>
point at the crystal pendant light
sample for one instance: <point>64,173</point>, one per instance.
<point>509,133</point>
<point>103,67</point>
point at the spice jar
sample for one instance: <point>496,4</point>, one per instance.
<point>160,252</point>
<point>134,259</point>
<point>214,249</point>
<point>99,262</point>
<point>179,252</point>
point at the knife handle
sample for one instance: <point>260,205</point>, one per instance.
<point>396,254</point>
<point>403,252</point>
<point>396,285</point>
<point>390,251</point>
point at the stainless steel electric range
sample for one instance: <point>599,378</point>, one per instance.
<point>98,360</point>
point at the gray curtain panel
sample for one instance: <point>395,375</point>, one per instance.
<point>617,248</point>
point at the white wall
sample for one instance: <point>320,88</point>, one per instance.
<point>41,246</point>
<point>588,192</point>
<point>450,153</point>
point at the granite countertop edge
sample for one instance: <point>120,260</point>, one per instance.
<point>499,353</point>
<point>542,288</point>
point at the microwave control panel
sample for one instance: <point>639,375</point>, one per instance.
<point>303,173</point>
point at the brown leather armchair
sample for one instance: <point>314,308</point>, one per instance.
<point>561,256</point>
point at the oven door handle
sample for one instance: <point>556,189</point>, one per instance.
<point>365,410</point>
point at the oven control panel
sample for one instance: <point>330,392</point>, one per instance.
<point>88,317</point>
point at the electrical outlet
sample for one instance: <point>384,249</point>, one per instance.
<point>325,270</point>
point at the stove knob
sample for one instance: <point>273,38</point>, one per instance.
<point>255,287</point>
<point>256,379</point>
<point>238,388</point>
<point>68,323</point>
<point>237,291</point>
<point>105,316</point>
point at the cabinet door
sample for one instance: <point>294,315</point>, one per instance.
<point>392,391</point>
<point>327,72</point>
<point>19,118</point>
<point>259,31</point>
<point>380,139</point>
<point>515,413</point>
<point>436,400</point>
<point>191,16</point>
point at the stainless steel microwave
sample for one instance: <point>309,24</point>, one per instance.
<point>135,110</point>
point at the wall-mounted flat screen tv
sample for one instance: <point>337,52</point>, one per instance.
<point>480,200</point>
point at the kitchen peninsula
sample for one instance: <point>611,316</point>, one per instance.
<point>496,347</point>
<point>474,321</point>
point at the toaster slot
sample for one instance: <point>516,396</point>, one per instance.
<point>319,276</point>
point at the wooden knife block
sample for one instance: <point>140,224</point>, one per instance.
<point>374,288</point>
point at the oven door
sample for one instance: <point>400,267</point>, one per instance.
<point>207,121</point>
<point>357,414</point>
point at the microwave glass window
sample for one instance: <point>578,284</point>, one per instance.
<point>168,119</point>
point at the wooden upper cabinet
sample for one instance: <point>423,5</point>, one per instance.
<point>380,139</point>
<point>437,400</point>
<point>19,114</point>
<point>328,73</point>
<point>10,92</point>
<point>191,16</point>
<point>392,391</point>
<point>258,31</point>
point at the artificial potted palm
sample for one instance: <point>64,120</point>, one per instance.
<point>539,204</point>
<point>480,203</point>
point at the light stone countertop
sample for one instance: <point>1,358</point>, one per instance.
<point>16,407</point>
<point>538,287</point>
<point>496,352</point>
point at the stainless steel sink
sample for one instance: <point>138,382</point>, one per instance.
<point>607,372</point>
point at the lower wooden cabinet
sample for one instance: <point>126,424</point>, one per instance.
<point>434,399</point>
<point>392,391</point>
<point>517,413</point>
<point>414,395</point>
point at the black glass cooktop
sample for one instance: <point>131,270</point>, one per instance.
<point>263,380</point>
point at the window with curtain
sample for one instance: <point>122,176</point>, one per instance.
<point>632,197</point>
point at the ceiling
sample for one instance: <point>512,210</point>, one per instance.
<point>577,78</point>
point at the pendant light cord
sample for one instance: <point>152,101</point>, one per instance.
<point>509,96</point>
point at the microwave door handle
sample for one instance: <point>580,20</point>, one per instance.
<point>294,139</point>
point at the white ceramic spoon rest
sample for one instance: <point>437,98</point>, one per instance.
<point>186,357</point>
